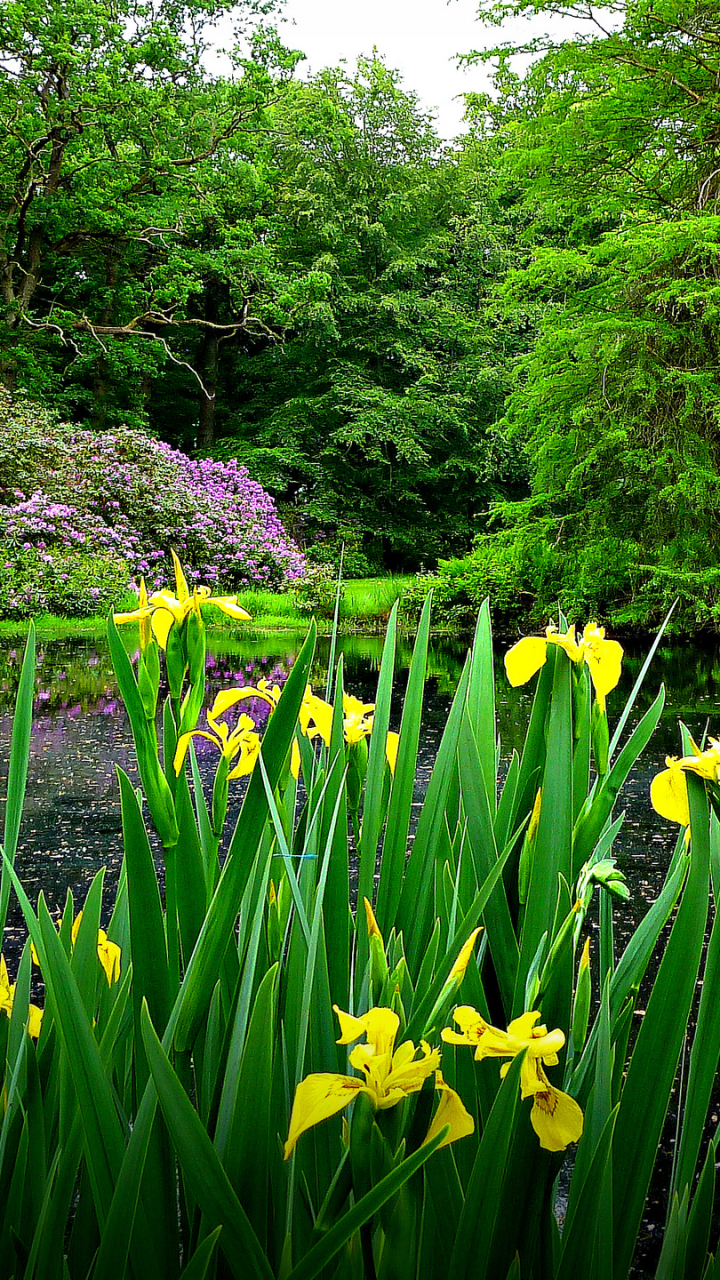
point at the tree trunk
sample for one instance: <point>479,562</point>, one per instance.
<point>209,373</point>
<point>209,364</point>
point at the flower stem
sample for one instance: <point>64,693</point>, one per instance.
<point>171,916</point>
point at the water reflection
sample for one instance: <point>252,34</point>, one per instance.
<point>71,825</point>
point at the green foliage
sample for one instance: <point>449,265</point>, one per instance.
<point>297,274</point>
<point>326,548</point>
<point>376,414</point>
<point>608,151</point>
<point>450,609</point>
<point>132,500</point>
<point>411,345</point>
<point>526,576</point>
<point>114,196</point>
<point>316,591</point>
<point>33,448</point>
<point>73,585</point>
<point>87,584</point>
<point>530,568</point>
<point>172,1083</point>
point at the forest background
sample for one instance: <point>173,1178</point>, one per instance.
<point>498,356</point>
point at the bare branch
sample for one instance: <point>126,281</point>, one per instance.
<point>90,327</point>
<point>163,319</point>
<point>85,325</point>
<point>48,325</point>
<point>705,189</point>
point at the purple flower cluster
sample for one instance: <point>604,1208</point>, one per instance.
<point>136,498</point>
<point>41,524</point>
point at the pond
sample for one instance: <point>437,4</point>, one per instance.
<point>71,824</point>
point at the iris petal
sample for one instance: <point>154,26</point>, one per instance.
<point>556,1118</point>
<point>452,1111</point>
<point>669,797</point>
<point>391,749</point>
<point>604,661</point>
<point>229,606</point>
<point>161,622</point>
<point>318,1097</point>
<point>566,641</point>
<point>525,658</point>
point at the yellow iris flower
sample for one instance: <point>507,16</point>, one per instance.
<point>668,790</point>
<point>7,999</point>
<point>457,973</point>
<point>109,952</point>
<point>109,957</point>
<point>358,718</point>
<point>373,929</point>
<point>242,742</point>
<point>387,1076</point>
<point>315,717</point>
<point>164,609</point>
<point>144,613</point>
<point>267,693</point>
<point>230,697</point>
<point>556,1117</point>
<point>602,657</point>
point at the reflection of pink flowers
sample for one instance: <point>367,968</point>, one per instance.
<point>83,687</point>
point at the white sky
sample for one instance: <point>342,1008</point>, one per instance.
<point>419,38</point>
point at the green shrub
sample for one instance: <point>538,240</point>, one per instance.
<point>85,585</point>
<point>131,499</point>
<point>528,572</point>
<point>317,591</point>
<point>74,584</point>
<point>22,585</point>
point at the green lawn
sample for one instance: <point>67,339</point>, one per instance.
<point>373,597</point>
<point>367,602</point>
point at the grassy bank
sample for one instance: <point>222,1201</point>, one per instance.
<point>366,605</point>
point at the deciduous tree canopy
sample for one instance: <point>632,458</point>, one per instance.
<point>395,335</point>
<point>118,154</point>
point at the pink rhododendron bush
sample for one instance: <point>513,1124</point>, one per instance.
<point>84,515</point>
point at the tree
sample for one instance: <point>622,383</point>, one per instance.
<point>618,403</point>
<point>301,273</point>
<point>374,415</point>
<point>113,140</point>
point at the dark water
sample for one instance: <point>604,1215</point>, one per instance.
<point>71,824</point>
<point>71,821</point>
